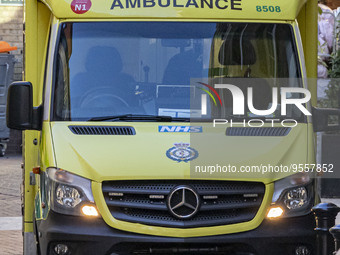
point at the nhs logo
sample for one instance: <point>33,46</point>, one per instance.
<point>180,129</point>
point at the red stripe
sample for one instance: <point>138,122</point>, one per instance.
<point>213,90</point>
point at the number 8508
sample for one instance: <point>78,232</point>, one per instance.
<point>266,8</point>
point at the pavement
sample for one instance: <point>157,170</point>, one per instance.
<point>10,206</point>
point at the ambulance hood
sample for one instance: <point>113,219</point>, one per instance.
<point>156,150</point>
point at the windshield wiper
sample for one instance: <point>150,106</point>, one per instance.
<point>132,117</point>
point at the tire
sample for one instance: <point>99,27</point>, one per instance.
<point>36,235</point>
<point>37,240</point>
<point>2,151</point>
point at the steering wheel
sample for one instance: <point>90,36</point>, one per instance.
<point>103,97</point>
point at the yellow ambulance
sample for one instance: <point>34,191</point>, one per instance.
<point>132,144</point>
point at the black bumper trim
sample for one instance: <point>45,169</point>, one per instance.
<point>94,236</point>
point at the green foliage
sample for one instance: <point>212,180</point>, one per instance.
<point>332,90</point>
<point>334,72</point>
<point>333,66</point>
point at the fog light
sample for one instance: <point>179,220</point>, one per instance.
<point>89,210</point>
<point>275,212</point>
<point>302,250</point>
<point>61,249</point>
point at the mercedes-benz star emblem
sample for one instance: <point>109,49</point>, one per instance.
<point>183,202</point>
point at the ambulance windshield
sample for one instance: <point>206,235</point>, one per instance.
<point>171,69</point>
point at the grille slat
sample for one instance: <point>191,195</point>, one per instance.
<point>203,189</point>
<point>230,206</point>
<point>162,218</point>
<point>163,207</point>
<point>165,192</point>
<point>134,191</point>
<point>145,202</point>
<point>230,192</point>
<point>151,206</point>
<point>102,130</point>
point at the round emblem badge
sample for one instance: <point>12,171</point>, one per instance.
<point>80,6</point>
<point>182,152</point>
<point>183,202</point>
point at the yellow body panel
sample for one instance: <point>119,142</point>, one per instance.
<point>101,158</point>
<point>37,17</point>
<point>308,18</point>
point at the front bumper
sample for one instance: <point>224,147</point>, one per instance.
<point>93,236</point>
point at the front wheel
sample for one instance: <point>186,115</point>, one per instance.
<point>30,245</point>
<point>2,150</point>
<point>35,247</point>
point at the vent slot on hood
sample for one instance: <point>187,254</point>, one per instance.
<point>258,131</point>
<point>102,130</point>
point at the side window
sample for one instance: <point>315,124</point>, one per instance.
<point>62,85</point>
<point>62,81</point>
<point>46,63</point>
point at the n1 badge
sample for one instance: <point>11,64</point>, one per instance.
<point>81,6</point>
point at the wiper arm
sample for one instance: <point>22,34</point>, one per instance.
<point>139,118</point>
<point>104,118</point>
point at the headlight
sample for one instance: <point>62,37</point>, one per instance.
<point>69,192</point>
<point>295,198</point>
<point>67,196</point>
<point>294,194</point>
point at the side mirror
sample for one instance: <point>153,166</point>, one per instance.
<point>20,113</point>
<point>323,118</point>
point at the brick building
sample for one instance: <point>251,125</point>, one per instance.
<point>11,31</point>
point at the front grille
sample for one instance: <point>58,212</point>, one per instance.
<point>222,202</point>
